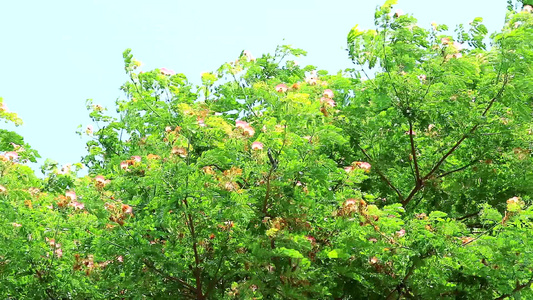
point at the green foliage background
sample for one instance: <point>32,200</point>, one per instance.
<point>407,176</point>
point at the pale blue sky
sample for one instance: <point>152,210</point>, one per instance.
<point>56,54</point>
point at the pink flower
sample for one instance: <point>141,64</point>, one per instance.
<point>257,146</point>
<point>527,8</point>
<point>127,209</point>
<point>65,169</point>
<point>51,242</point>
<point>328,94</point>
<point>445,40</point>
<point>458,46</point>
<point>362,165</point>
<point>455,55</point>
<point>12,155</point>
<point>16,224</point>
<point>328,101</point>
<point>120,258</point>
<point>124,165</point>
<point>3,189</point>
<point>409,132</point>
<point>281,88</point>
<point>514,200</point>
<point>350,202</point>
<point>422,77</point>
<point>312,78</point>
<point>167,72</point>
<point>71,195</point>
<point>241,124</point>
<point>89,129</point>
<point>247,128</point>
<point>400,233</point>
<point>168,129</point>
<point>76,205</point>
<point>349,169</point>
<point>200,122</point>
<point>182,152</point>
<point>398,13</point>
<point>3,107</point>
<point>249,131</point>
<point>136,158</point>
<point>101,181</point>
<point>248,55</point>
<point>59,252</point>
<point>17,148</point>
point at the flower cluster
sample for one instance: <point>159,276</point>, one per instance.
<point>358,165</point>
<point>246,128</point>
<point>130,162</point>
<point>119,212</point>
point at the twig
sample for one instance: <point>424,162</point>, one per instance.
<point>458,143</point>
<point>457,170</point>
<point>481,234</point>
<point>151,265</point>
<point>383,177</point>
<point>516,289</point>
<point>190,225</point>
<point>455,146</point>
<point>418,180</point>
<point>468,216</point>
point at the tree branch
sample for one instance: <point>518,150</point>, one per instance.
<point>418,180</point>
<point>383,177</point>
<point>468,216</point>
<point>190,225</point>
<point>455,146</point>
<point>458,143</point>
<point>516,289</point>
<point>151,265</point>
<point>457,170</point>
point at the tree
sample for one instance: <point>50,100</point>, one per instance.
<point>271,180</point>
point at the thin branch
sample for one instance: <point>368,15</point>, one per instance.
<point>481,234</point>
<point>267,194</point>
<point>383,177</point>
<point>469,216</point>
<point>213,283</point>
<point>245,95</point>
<point>458,143</point>
<point>190,225</point>
<point>516,289</point>
<point>401,286</point>
<point>142,98</point>
<point>274,162</point>
<point>418,180</point>
<point>457,170</point>
<point>455,146</point>
<point>151,265</point>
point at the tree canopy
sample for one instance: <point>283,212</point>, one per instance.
<point>407,176</point>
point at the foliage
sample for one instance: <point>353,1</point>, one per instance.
<point>407,176</point>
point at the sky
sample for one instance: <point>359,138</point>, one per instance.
<point>56,54</point>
